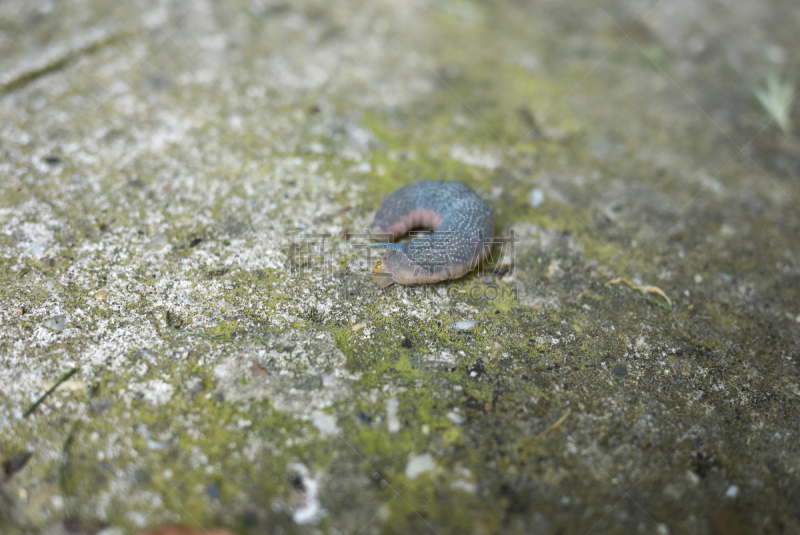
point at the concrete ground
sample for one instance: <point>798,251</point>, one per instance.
<point>184,192</point>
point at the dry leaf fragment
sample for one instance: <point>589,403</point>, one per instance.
<point>643,289</point>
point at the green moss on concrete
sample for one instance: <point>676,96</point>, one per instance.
<point>703,389</point>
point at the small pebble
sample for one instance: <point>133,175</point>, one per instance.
<point>16,463</point>
<point>698,279</point>
<point>464,325</point>
<point>56,323</point>
<point>732,492</point>
<point>52,285</point>
<point>212,491</point>
<point>620,371</point>
<point>101,296</point>
<point>158,241</point>
<point>20,311</point>
<point>256,370</point>
<point>358,326</point>
<point>537,198</point>
<point>38,250</point>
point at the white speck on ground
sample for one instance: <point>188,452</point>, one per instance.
<point>419,464</point>
<point>464,481</point>
<point>392,421</point>
<point>537,198</point>
<point>56,323</point>
<point>474,157</point>
<point>324,422</point>
<point>464,486</point>
<point>455,417</point>
<point>155,391</point>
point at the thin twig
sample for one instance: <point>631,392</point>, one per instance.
<point>62,470</point>
<point>50,390</point>
<point>541,435</point>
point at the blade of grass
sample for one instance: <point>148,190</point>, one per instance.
<point>544,433</point>
<point>50,390</point>
<point>62,471</point>
<point>776,99</point>
<point>652,302</point>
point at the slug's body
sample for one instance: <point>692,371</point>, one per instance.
<point>463,227</point>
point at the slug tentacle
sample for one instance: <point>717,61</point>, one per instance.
<point>395,246</point>
<point>462,224</point>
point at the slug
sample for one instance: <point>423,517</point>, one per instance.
<point>462,224</point>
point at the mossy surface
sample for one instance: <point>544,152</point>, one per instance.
<point>192,241</point>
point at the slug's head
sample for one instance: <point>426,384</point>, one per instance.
<point>381,270</point>
<point>382,273</point>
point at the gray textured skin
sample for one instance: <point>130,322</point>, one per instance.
<point>459,243</point>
